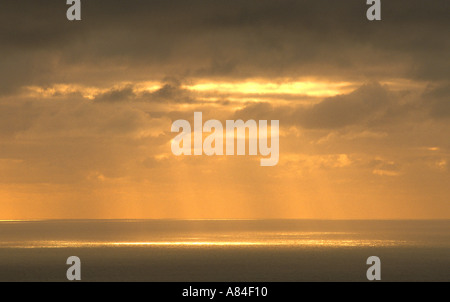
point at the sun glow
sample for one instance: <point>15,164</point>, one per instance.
<point>308,88</point>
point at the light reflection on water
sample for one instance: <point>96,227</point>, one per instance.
<point>209,243</point>
<point>280,234</point>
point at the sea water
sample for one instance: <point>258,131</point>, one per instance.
<point>225,250</point>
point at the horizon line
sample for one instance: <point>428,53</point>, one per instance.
<point>222,219</point>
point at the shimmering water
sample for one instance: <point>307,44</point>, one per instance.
<point>225,250</point>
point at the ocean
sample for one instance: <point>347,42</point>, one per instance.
<point>225,250</point>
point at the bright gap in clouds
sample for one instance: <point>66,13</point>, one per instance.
<point>308,88</point>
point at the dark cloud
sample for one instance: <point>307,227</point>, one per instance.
<point>170,92</point>
<point>116,95</point>
<point>438,99</point>
<point>370,105</point>
<point>135,40</point>
<point>365,104</point>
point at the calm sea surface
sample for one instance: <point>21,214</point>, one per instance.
<point>224,250</point>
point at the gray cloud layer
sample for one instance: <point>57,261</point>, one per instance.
<point>225,39</point>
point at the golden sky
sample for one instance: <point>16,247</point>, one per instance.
<point>86,109</point>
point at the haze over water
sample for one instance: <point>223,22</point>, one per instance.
<point>225,250</point>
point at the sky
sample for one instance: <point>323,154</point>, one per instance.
<point>86,109</point>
